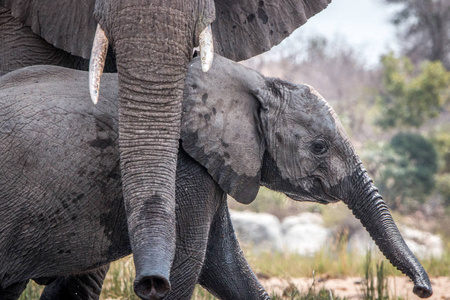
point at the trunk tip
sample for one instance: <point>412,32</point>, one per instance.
<point>151,287</point>
<point>422,285</point>
<point>423,291</point>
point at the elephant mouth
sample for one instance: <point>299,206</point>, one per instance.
<point>317,194</point>
<point>307,198</point>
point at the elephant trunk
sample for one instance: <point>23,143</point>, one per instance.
<point>153,47</point>
<point>368,206</point>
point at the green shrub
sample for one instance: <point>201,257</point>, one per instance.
<point>404,170</point>
<point>441,140</point>
<point>410,96</point>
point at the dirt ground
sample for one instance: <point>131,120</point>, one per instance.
<point>351,287</point>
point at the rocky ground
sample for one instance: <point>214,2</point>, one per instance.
<point>305,233</point>
<point>352,287</point>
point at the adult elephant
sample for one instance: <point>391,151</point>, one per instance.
<point>245,131</point>
<point>153,42</point>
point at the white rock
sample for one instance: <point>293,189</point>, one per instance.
<point>303,218</point>
<point>422,244</point>
<point>304,234</point>
<point>360,242</point>
<point>260,230</point>
<point>306,239</point>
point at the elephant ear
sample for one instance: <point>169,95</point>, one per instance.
<point>220,125</point>
<point>245,28</point>
<point>66,24</point>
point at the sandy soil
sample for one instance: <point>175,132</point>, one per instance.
<point>351,287</point>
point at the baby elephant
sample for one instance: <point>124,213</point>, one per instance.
<point>61,209</point>
<point>247,131</point>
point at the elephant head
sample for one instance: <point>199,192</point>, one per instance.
<point>248,131</point>
<point>153,41</point>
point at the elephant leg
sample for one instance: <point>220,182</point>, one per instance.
<point>13,291</point>
<point>226,273</point>
<point>197,196</point>
<point>87,286</point>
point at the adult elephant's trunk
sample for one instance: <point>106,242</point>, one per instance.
<point>149,122</point>
<point>368,206</point>
<point>153,45</point>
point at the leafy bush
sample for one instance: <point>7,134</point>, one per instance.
<point>422,159</point>
<point>441,141</point>
<point>443,187</point>
<point>404,169</point>
<point>410,96</point>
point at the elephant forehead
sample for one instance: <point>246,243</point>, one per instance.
<point>308,112</point>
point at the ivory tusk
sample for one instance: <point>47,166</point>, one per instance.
<point>97,62</point>
<point>206,48</point>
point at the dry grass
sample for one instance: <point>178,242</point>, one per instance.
<point>333,263</point>
<point>324,263</point>
<point>118,284</point>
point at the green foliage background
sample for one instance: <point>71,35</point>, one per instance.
<point>411,95</point>
<point>413,166</point>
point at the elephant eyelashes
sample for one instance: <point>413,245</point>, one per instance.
<point>319,147</point>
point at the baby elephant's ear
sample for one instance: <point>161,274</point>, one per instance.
<point>220,126</point>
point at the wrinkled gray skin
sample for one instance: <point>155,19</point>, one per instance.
<point>61,206</point>
<point>244,129</point>
<point>152,41</point>
<point>248,131</point>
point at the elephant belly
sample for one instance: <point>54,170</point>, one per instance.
<point>61,208</point>
<point>58,216</point>
<point>55,239</point>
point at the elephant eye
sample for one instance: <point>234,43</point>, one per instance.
<point>319,147</point>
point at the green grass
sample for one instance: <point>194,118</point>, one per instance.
<point>332,262</point>
<point>118,284</point>
<point>375,290</point>
<point>202,294</point>
<point>438,267</point>
<point>32,292</point>
<point>293,265</point>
